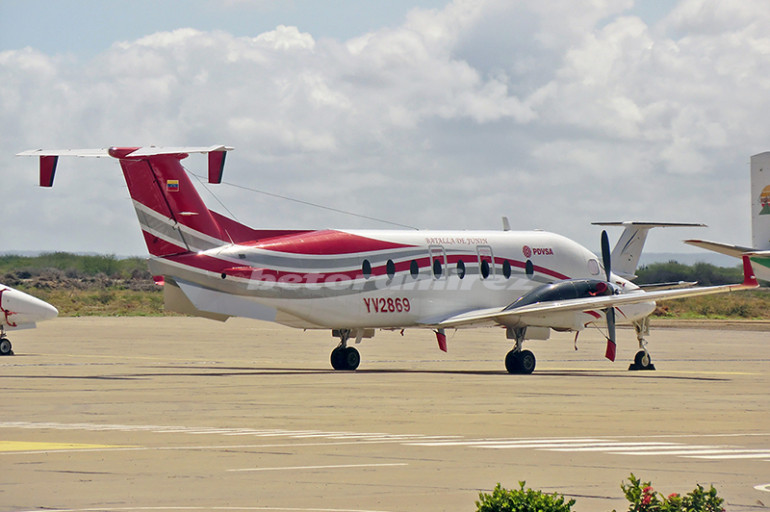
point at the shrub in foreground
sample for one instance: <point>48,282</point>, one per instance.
<point>522,500</point>
<point>641,496</point>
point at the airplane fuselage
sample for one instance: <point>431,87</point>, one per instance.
<point>391,279</point>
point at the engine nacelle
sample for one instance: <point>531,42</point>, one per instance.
<point>565,290</point>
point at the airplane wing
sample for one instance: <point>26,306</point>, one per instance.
<point>736,251</point>
<point>518,316</point>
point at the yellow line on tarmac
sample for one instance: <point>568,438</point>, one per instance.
<point>30,446</point>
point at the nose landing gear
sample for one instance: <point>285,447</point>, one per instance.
<point>344,357</point>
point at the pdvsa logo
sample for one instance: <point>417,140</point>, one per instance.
<point>537,251</point>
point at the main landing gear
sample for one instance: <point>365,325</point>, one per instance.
<point>518,360</point>
<point>344,357</point>
<point>642,359</point>
<point>6,349</point>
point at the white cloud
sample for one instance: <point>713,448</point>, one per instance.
<point>454,118</point>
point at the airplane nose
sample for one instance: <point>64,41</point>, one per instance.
<point>21,308</point>
<point>47,311</point>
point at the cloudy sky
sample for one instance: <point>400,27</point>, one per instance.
<point>428,113</point>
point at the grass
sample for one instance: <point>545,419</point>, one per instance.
<point>744,305</point>
<point>112,301</point>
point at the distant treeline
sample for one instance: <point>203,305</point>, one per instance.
<point>704,273</point>
<point>74,265</point>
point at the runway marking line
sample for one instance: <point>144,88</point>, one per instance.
<point>31,446</point>
<point>338,466</point>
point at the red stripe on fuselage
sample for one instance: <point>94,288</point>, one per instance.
<point>327,242</point>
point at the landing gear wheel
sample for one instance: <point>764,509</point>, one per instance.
<point>512,362</point>
<point>345,358</point>
<point>520,362</point>
<point>527,362</point>
<point>352,358</point>
<point>6,349</point>
<point>642,361</point>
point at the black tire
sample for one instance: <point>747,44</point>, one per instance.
<point>527,362</point>
<point>345,358</point>
<point>512,362</point>
<point>351,358</point>
<point>642,360</point>
<point>6,349</point>
<point>337,358</point>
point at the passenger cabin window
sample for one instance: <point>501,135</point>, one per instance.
<point>390,268</point>
<point>529,269</point>
<point>507,269</point>
<point>414,269</point>
<point>461,268</point>
<point>484,269</point>
<point>438,260</point>
<point>366,268</point>
<point>486,261</point>
<point>593,267</point>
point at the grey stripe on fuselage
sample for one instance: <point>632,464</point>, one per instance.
<point>272,289</point>
<point>309,263</point>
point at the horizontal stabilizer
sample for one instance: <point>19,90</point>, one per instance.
<point>628,249</point>
<point>49,157</point>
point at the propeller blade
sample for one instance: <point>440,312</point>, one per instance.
<point>610,311</point>
<point>606,254</point>
<point>610,352</point>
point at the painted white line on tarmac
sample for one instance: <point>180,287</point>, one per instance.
<point>231,509</point>
<point>338,466</point>
<point>755,455</point>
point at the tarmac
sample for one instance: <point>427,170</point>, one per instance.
<point>176,413</point>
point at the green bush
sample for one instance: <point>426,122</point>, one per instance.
<point>643,498</point>
<point>522,500</point>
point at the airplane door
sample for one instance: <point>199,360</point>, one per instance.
<point>486,261</point>
<point>437,261</point>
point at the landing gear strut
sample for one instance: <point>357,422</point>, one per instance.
<point>642,359</point>
<point>518,360</point>
<point>344,357</point>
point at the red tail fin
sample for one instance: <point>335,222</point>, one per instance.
<point>172,214</point>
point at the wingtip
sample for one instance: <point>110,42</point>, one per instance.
<point>749,278</point>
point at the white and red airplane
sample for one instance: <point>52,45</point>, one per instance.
<point>760,221</point>
<point>19,310</point>
<point>356,281</point>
